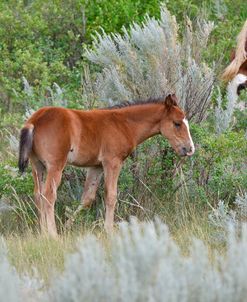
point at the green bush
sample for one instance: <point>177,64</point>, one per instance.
<point>11,180</point>
<point>43,41</point>
<point>219,163</point>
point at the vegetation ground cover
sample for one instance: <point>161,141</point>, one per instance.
<point>44,60</point>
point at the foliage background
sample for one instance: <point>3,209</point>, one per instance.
<point>43,62</point>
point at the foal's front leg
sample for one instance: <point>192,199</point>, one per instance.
<point>94,175</point>
<point>111,173</point>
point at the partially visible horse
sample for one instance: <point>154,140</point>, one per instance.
<point>98,139</point>
<point>236,72</point>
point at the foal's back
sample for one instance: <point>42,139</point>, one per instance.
<point>77,137</point>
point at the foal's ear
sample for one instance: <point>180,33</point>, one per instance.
<point>171,100</point>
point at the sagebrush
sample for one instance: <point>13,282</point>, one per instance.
<point>151,60</point>
<point>141,262</point>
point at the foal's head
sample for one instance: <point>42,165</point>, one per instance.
<point>175,127</point>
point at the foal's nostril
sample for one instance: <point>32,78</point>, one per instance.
<point>184,150</point>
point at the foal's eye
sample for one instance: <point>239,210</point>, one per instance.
<point>177,125</point>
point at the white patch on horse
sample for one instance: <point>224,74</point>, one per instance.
<point>191,141</point>
<point>232,88</point>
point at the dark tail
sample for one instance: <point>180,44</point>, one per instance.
<point>26,143</point>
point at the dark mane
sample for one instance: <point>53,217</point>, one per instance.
<point>136,103</point>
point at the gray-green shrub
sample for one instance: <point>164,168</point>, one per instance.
<point>151,60</point>
<point>13,287</point>
<point>143,263</point>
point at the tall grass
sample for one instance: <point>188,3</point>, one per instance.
<point>37,255</point>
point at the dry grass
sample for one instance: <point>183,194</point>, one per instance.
<point>30,252</point>
<point>35,252</point>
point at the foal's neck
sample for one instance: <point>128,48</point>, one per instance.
<point>144,120</point>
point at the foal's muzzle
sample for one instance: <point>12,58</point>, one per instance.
<point>187,151</point>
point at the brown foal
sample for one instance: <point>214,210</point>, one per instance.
<point>98,139</point>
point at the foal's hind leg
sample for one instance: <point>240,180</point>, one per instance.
<point>49,196</point>
<point>94,175</point>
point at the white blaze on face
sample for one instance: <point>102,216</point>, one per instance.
<point>191,141</point>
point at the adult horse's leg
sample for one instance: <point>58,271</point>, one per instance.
<point>94,175</point>
<point>38,171</point>
<point>111,173</point>
<point>49,196</point>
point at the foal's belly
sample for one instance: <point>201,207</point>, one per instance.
<point>82,158</point>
